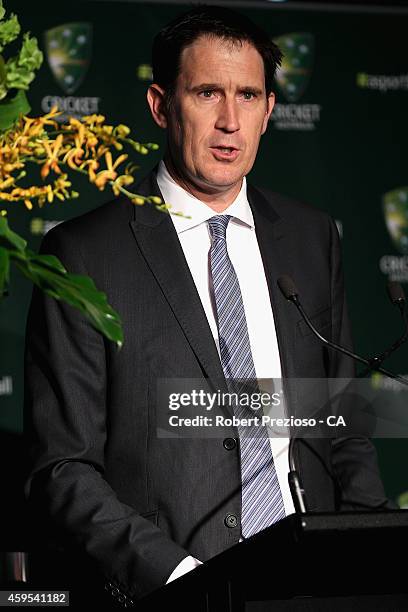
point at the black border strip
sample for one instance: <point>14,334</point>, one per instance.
<point>330,7</point>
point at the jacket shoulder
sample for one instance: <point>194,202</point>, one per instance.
<point>292,209</point>
<point>96,223</point>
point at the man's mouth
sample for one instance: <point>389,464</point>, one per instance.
<point>222,153</point>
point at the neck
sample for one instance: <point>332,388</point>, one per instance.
<point>217,201</point>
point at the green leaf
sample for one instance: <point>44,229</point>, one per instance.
<point>17,77</point>
<point>79,291</point>
<point>20,70</point>
<point>2,10</point>
<point>11,109</point>
<point>9,30</point>
<point>3,72</point>
<point>8,236</point>
<point>85,283</point>
<point>30,56</point>
<point>402,500</point>
<point>4,270</point>
<point>47,260</point>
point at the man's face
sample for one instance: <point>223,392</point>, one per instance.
<point>219,112</point>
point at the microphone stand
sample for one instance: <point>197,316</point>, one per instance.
<point>397,297</point>
<point>292,296</point>
<point>288,289</point>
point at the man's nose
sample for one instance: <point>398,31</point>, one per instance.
<point>228,116</point>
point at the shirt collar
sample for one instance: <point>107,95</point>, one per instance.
<point>182,201</point>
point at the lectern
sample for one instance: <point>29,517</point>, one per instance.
<point>354,561</point>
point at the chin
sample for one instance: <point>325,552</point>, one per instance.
<point>224,178</point>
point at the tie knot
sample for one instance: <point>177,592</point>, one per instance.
<point>218,226</point>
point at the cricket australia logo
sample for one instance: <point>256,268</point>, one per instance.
<point>298,55</point>
<point>68,48</point>
<point>292,79</point>
<point>395,206</point>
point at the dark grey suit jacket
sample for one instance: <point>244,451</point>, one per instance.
<point>100,477</point>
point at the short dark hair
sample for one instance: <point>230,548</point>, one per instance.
<point>214,21</point>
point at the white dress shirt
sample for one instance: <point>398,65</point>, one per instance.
<point>243,250</point>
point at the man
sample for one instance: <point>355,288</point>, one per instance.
<point>145,509</point>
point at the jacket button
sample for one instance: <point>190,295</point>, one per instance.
<point>231,520</point>
<point>229,443</point>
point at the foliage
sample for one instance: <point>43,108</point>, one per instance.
<point>19,71</point>
<point>84,146</point>
<point>87,146</point>
<point>49,274</point>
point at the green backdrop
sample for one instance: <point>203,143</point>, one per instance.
<point>337,139</point>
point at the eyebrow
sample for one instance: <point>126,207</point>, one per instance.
<point>204,86</point>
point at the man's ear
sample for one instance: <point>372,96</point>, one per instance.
<point>270,103</point>
<point>155,99</point>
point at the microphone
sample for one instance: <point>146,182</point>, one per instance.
<point>295,485</point>
<point>397,297</point>
<point>287,286</point>
<point>396,294</point>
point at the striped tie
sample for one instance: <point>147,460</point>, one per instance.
<point>262,503</point>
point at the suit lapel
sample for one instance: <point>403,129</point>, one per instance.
<point>276,246</point>
<point>160,246</point>
<point>157,239</point>
<point>275,251</point>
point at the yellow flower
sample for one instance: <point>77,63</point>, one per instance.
<point>34,126</point>
<point>122,131</point>
<point>74,157</point>
<point>31,129</point>
<point>52,154</point>
<point>101,150</point>
<point>124,179</point>
<point>7,183</point>
<point>6,196</point>
<point>155,199</point>
<point>91,141</point>
<point>80,144</point>
<point>50,194</point>
<point>107,129</point>
<point>8,168</point>
<point>109,174</point>
<point>92,165</point>
<point>61,182</point>
<point>138,200</point>
<point>39,150</point>
<point>60,186</point>
<point>47,119</point>
<point>74,122</point>
<point>80,135</point>
<point>92,119</point>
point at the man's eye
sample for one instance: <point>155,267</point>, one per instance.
<point>248,95</point>
<point>207,93</point>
